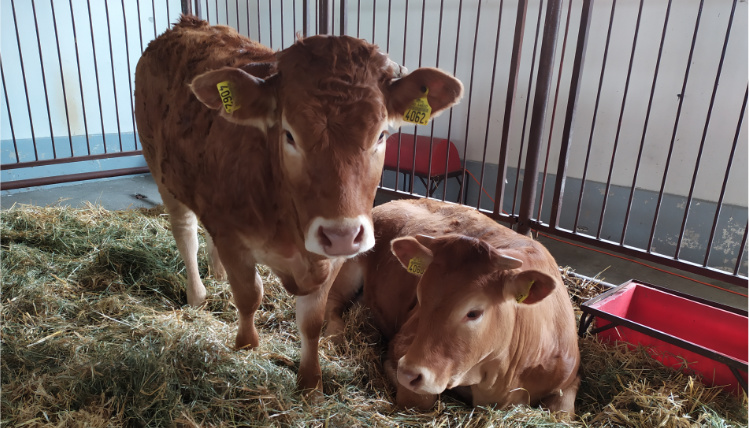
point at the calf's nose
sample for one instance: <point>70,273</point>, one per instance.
<point>341,241</point>
<point>411,379</point>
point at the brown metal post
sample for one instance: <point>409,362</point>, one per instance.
<point>305,18</point>
<point>344,17</point>
<point>541,98</point>
<point>325,13</point>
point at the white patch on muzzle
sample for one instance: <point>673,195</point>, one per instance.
<point>344,237</point>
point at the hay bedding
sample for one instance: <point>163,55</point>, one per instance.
<point>95,332</point>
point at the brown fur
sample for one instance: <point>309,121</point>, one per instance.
<point>520,353</point>
<point>257,191</point>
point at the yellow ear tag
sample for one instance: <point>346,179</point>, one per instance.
<point>415,266</point>
<point>226,92</point>
<point>419,112</point>
<point>520,298</point>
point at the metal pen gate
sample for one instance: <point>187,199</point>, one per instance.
<point>619,124</point>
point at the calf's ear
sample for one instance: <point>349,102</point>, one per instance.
<point>529,287</point>
<point>239,96</point>
<point>414,256</point>
<point>442,91</point>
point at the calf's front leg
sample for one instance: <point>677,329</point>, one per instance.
<point>310,314</point>
<point>247,290</point>
<point>185,231</point>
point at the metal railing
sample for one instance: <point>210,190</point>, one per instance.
<point>617,124</point>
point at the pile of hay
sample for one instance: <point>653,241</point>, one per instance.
<point>96,332</point>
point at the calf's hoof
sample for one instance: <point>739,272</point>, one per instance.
<point>247,339</point>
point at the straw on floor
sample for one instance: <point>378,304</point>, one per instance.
<point>96,332</point>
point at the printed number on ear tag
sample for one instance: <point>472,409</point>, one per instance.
<point>420,111</point>
<point>226,92</point>
<point>416,266</point>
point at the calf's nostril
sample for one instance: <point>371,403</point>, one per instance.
<point>416,381</point>
<point>324,240</point>
<point>359,236</point>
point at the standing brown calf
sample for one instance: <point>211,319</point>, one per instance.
<point>467,305</point>
<point>277,154</point>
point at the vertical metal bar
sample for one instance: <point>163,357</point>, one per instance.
<point>226,9</point>
<point>554,109</point>
<point>293,16</point>
<point>491,98</point>
<point>725,181</point>
<point>10,117</point>
<point>188,11</point>
<point>645,125</point>
<point>676,127</point>
<point>130,76</point>
<point>80,79</point>
<point>323,16</point>
<point>114,81</point>
<point>540,100</point>
<point>236,15</point>
<point>44,81</point>
<point>218,20</point>
<point>199,9</point>
<point>517,48</point>
<point>619,124</point>
<point>527,106</point>
<point>741,252</point>
<point>344,18</point>
<point>595,116</point>
<point>25,85</point>
<point>569,117</point>
<point>140,29</point>
<point>358,18</point>
<point>168,15</point>
<point>374,21</point>
<point>387,48</point>
<point>305,18</point>
<point>62,77</point>
<point>450,118</point>
<point>96,74</point>
<point>704,131</point>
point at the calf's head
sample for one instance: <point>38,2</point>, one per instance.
<point>326,113</point>
<point>468,296</point>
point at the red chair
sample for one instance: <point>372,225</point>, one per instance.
<point>441,151</point>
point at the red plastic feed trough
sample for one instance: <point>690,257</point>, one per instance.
<point>676,328</point>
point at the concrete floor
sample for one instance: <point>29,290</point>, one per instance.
<point>140,191</point>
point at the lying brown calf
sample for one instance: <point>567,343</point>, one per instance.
<point>467,305</point>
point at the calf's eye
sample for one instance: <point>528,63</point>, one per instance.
<point>474,315</point>
<point>289,138</point>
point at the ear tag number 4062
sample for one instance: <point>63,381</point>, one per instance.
<point>420,111</point>
<point>226,92</point>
